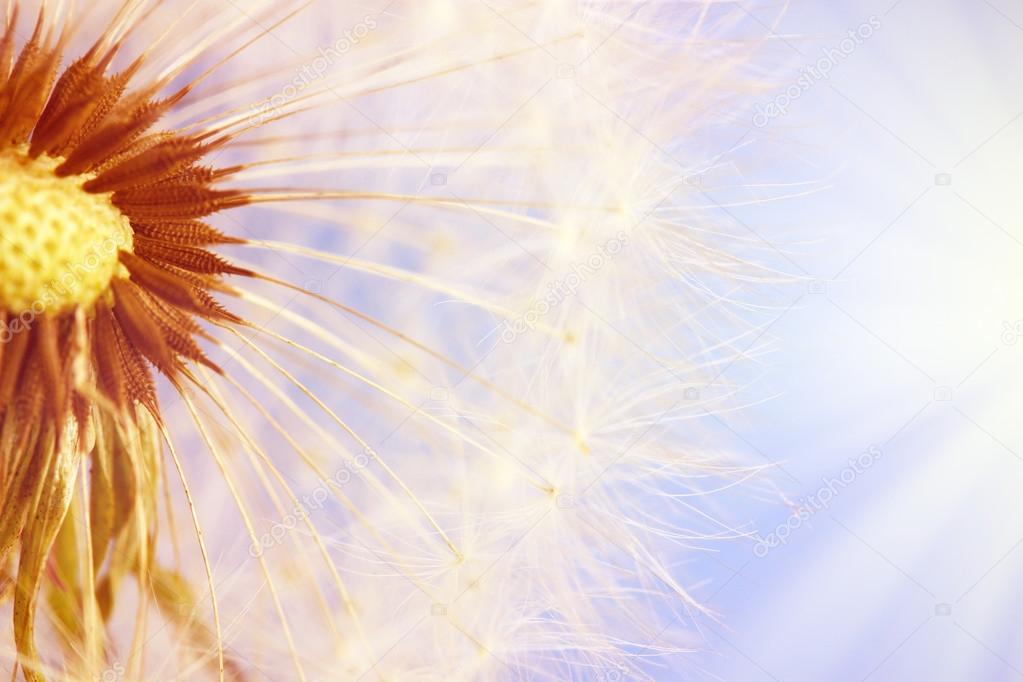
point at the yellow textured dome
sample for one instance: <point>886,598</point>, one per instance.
<point>59,243</point>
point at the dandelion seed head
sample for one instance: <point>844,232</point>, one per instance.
<point>382,485</point>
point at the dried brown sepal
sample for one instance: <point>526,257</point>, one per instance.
<point>79,382</point>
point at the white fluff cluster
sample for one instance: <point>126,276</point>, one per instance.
<point>491,457</point>
<point>524,503</point>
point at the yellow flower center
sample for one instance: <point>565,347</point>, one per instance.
<point>59,244</point>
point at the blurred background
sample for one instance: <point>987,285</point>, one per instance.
<point>886,540</point>
<point>878,166</point>
<point>895,426</point>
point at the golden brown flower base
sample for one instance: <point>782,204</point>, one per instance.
<point>77,392</point>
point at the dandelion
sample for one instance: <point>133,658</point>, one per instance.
<point>452,371</point>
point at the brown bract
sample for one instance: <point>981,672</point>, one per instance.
<point>79,382</point>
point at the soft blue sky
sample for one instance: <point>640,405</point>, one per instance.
<point>912,572</point>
